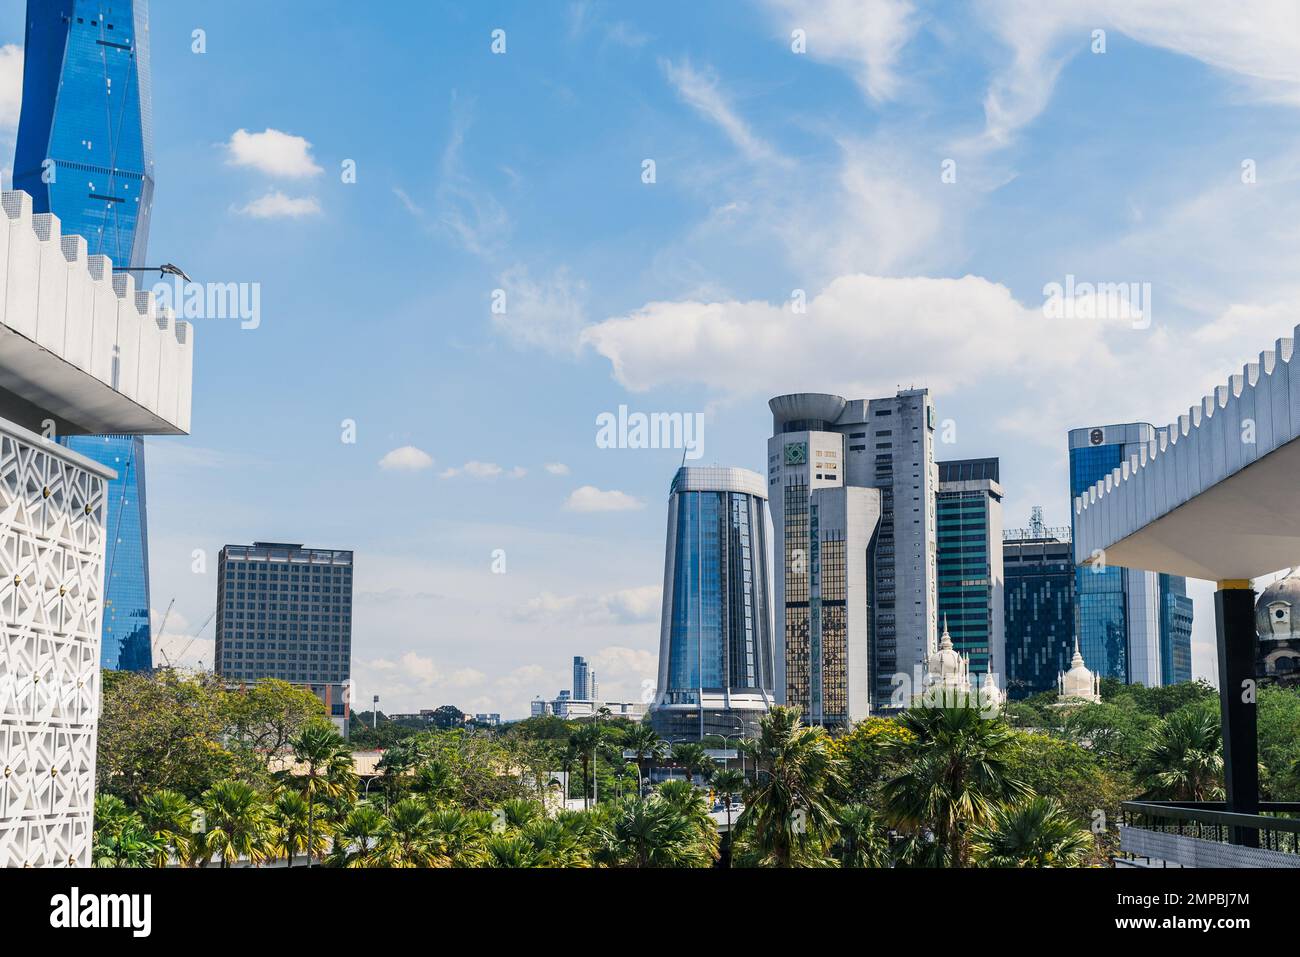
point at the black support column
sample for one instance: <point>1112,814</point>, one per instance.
<point>1234,612</point>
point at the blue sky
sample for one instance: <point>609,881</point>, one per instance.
<point>775,171</point>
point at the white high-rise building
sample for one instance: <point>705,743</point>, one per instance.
<point>852,488</point>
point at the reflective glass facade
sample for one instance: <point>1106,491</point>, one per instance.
<point>715,667</point>
<point>1132,625</point>
<point>1040,596</point>
<point>969,523</point>
<point>85,154</point>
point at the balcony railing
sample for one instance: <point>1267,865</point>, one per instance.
<point>1205,834</point>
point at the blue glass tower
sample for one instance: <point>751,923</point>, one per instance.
<point>715,644</point>
<point>1132,625</point>
<point>85,154</point>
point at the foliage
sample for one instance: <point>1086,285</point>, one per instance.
<point>1036,832</point>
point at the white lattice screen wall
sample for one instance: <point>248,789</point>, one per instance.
<point>52,513</point>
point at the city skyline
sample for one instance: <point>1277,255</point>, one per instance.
<point>746,135</point>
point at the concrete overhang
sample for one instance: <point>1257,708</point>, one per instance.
<point>79,345</point>
<point>1211,495</point>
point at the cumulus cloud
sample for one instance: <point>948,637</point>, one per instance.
<point>588,498</point>
<point>272,152</point>
<point>406,459</point>
<point>276,205</point>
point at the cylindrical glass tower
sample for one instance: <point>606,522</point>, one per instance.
<point>715,637</point>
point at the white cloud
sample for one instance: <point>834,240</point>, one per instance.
<point>276,205</point>
<point>865,35</point>
<point>272,152</point>
<point>547,314</point>
<point>588,498</point>
<point>468,213</point>
<point>406,459</point>
<point>556,468</point>
<point>483,470</point>
<point>11,86</point>
<point>700,90</point>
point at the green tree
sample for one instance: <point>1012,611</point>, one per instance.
<point>863,840</point>
<point>585,741</point>
<point>169,817</point>
<point>1184,761</point>
<point>236,824</point>
<point>120,838</point>
<point>261,719</point>
<point>693,758</point>
<point>356,838</point>
<point>729,783</point>
<point>646,745</point>
<point>323,771</point>
<point>789,816</point>
<point>955,770</point>
<point>407,837</point>
<point>294,830</point>
<point>1036,832</point>
<point>649,832</point>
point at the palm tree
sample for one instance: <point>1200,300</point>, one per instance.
<point>690,802</point>
<point>294,833</point>
<point>169,816</point>
<point>789,816</point>
<point>407,839</point>
<point>327,772</point>
<point>728,783</point>
<point>955,772</point>
<point>585,740</point>
<point>1184,761</point>
<point>862,841</point>
<point>645,743</point>
<point>650,833</point>
<point>1033,833</point>
<point>694,759</point>
<point>457,836</point>
<point>356,838</point>
<point>236,824</point>
<point>121,838</point>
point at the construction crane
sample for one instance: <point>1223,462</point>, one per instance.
<point>202,627</point>
<point>157,641</point>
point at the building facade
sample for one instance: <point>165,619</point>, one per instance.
<point>285,611</point>
<point>85,153</point>
<point>715,638</point>
<point>1040,587</point>
<point>852,489</point>
<point>968,517</point>
<point>81,349</point>
<point>581,679</point>
<point>1132,625</point>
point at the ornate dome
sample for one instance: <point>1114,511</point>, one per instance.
<point>1274,618</point>
<point>946,666</point>
<point>1078,684</point>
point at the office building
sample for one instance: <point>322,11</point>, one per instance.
<point>83,349</point>
<point>85,154</point>
<point>1040,585</point>
<point>285,611</point>
<point>968,516</point>
<point>1133,625</point>
<point>582,679</point>
<point>852,489</point>
<point>715,637</point>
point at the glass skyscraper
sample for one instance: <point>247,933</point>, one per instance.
<point>969,563</point>
<point>1132,625</point>
<point>1040,584</point>
<point>715,644</point>
<point>85,154</point>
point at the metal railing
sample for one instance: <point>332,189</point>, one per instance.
<point>1275,828</point>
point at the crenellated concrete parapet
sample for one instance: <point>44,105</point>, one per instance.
<point>81,343</point>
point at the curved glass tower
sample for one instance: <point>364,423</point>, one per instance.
<point>715,637</point>
<point>85,154</point>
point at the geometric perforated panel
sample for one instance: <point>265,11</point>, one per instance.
<point>52,512</point>
<point>1196,852</point>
